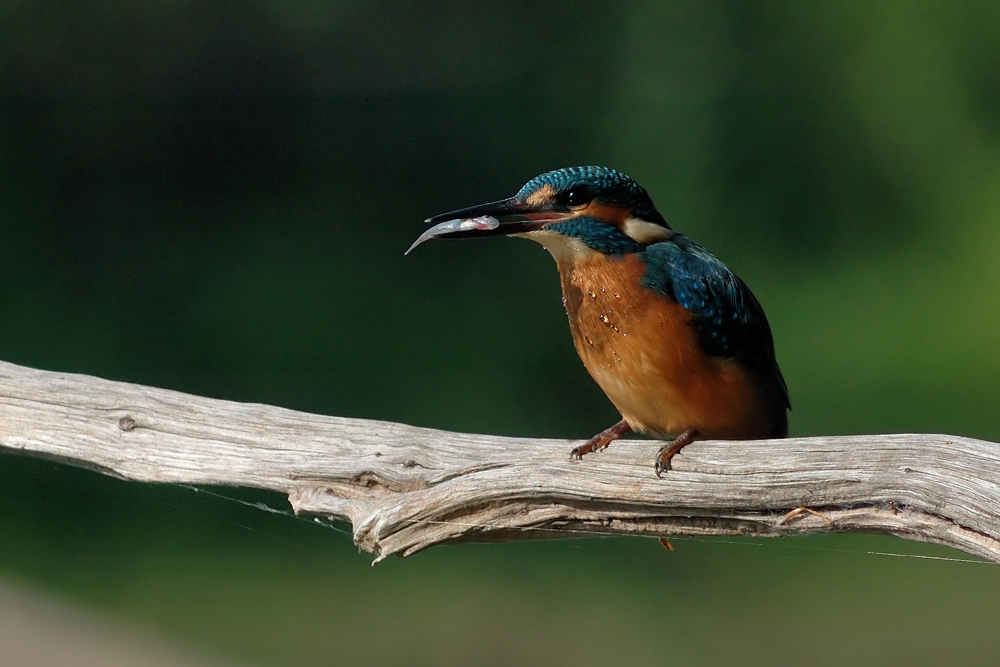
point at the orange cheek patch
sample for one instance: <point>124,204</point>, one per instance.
<point>541,196</point>
<point>615,215</point>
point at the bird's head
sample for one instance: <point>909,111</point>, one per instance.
<point>573,212</point>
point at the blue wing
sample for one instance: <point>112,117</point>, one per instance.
<point>727,317</point>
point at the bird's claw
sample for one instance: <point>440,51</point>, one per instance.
<point>588,447</point>
<point>662,464</point>
<point>668,452</point>
<point>600,441</point>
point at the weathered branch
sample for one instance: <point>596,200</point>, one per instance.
<point>405,488</point>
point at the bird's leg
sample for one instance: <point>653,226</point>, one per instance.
<point>601,440</point>
<point>667,451</point>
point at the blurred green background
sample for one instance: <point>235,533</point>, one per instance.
<point>215,197</point>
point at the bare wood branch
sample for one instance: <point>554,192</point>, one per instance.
<point>406,488</point>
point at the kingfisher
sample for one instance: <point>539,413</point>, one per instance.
<point>676,340</point>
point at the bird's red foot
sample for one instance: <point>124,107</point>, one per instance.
<point>601,440</point>
<point>667,452</point>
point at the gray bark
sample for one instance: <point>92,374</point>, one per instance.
<point>405,488</point>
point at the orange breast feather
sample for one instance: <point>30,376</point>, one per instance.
<point>638,346</point>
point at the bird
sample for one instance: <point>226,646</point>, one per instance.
<point>676,340</point>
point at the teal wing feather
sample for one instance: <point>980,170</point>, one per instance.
<point>728,319</point>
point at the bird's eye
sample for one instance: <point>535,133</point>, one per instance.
<point>578,196</point>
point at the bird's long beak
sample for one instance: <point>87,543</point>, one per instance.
<point>499,218</point>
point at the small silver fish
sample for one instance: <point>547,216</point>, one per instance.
<point>483,222</point>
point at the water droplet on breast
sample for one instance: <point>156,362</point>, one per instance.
<point>604,317</point>
<point>592,293</point>
<point>617,295</point>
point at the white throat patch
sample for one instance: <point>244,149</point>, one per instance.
<point>562,248</point>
